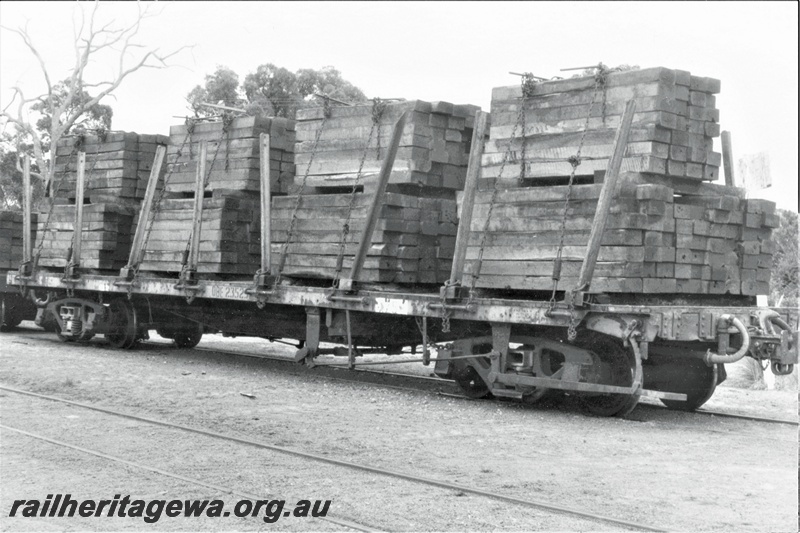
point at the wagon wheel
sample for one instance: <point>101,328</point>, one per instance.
<point>698,383</point>
<point>188,337</point>
<point>8,318</point>
<point>471,383</point>
<point>616,367</point>
<point>61,336</point>
<point>123,323</point>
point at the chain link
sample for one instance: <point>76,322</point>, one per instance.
<point>85,179</point>
<point>376,125</point>
<point>575,161</point>
<point>446,313</point>
<point>79,140</point>
<point>190,124</point>
<point>572,327</point>
<point>227,120</point>
<point>528,87</point>
<point>507,156</point>
<point>378,107</point>
<point>600,81</point>
<point>326,113</point>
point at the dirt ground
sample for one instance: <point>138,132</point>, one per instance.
<point>672,470</point>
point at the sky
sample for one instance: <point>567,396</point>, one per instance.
<point>451,51</point>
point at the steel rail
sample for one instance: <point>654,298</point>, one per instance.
<point>706,412</point>
<point>166,473</point>
<point>537,504</point>
<point>747,417</point>
<point>710,412</point>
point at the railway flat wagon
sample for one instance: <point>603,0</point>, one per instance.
<point>575,246</point>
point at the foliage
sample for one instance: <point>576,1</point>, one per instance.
<point>94,117</point>
<point>11,173</point>
<point>69,103</point>
<point>221,87</point>
<point>271,90</point>
<point>10,179</point>
<point>785,280</point>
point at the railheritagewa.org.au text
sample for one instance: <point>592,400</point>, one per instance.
<point>151,511</point>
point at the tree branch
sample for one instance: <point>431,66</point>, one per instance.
<point>67,102</point>
<point>29,43</point>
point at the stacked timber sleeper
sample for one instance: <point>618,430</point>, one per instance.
<point>11,238</point>
<point>668,232</point>
<point>234,152</point>
<point>117,168</point>
<point>106,238</point>
<point>674,126</point>
<point>230,234</point>
<point>655,242</point>
<point>413,241</point>
<point>415,236</point>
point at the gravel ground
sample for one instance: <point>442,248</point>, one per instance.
<point>672,470</point>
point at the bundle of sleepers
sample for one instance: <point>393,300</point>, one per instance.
<point>233,156</point>
<point>229,237</point>
<point>11,237</point>
<point>230,231</point>
<point>106,238</point>
<point>413,241</point>
<point>432,152</point>
<point>669,231</point>
<point>655,241</point>
<point>673,128</point>
<point>415,236</point>
<point>117,166</point>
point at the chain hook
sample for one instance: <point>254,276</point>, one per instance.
<point>326,107</point>
<point>378,107</point>
<point>377,112</point>
<point>227,120</point>
<point>529,83</point>
<point>80,140</point>
<point>575,161</point>
<point>189,125</point>
<point>507,157</point>
<point>601,72</point>
<point>326,113</point>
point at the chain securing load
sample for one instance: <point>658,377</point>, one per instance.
<point>80,139</point>
<point>378,108</point>
<point>528,84</point>
<point>134,272</point>
<point>326,114</point>
<point>575,161</point>
<point>187,271</point>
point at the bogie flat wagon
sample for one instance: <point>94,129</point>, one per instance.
<point>600,333</point>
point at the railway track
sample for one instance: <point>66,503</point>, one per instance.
<point>432,380</point>
<point>437,380</point>
<point>166,473</point>
<point>536,504</point>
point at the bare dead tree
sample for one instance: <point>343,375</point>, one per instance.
<point>93,41</point>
